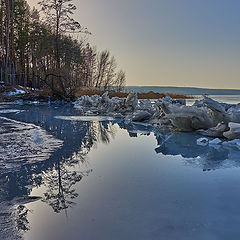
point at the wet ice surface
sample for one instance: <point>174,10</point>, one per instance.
<point>23,143</point>
<point>10,111</point>
<point>115,181</point>
<point>21,146</point>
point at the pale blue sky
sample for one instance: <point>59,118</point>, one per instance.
<point>168,42</point>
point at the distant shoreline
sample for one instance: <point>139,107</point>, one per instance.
<point>183,90</point>
<point>144,92</point>
<point>189,87</point>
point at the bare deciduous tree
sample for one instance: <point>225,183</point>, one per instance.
<point>120,80</point>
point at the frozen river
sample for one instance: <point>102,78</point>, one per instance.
<point>100,179</point>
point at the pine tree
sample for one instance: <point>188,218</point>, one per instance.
<point>59,18</point>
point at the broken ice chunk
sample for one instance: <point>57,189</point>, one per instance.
<point>234,131</point>
<point>202,141</point>
<point>215,141</point>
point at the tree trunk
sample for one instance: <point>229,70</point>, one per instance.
<point>7,41</point>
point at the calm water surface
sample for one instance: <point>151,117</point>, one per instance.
<point>108,181</point>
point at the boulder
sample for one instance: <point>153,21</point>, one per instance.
<point>215,131</point>
<point>140,116</point>
<point>234,131</point>
<point>233,113</point>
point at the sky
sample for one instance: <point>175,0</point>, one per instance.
<point>168,42</point>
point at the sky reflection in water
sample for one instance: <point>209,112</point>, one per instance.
<point>107,182</point>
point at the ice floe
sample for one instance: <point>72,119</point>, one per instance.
<point>202,141</point>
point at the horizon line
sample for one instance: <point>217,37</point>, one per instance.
<point>182,87</point>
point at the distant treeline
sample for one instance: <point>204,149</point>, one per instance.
<point>39,49</point>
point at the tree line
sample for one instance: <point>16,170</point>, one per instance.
<point>40,48</point>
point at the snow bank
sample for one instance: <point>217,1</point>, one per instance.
<point>16,92</point>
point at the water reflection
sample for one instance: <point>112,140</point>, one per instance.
<point>209,157</point>
<point>59,173</point>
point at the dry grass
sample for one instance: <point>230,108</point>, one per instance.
<point>148,95</point>
<point>45,93</point>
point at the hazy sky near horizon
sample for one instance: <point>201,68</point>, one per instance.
<point>168,42</point>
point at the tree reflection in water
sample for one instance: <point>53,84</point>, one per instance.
<point>21,218</point>
<point>59,184</point>
<point>60,181</point>
<point>58,173</point>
